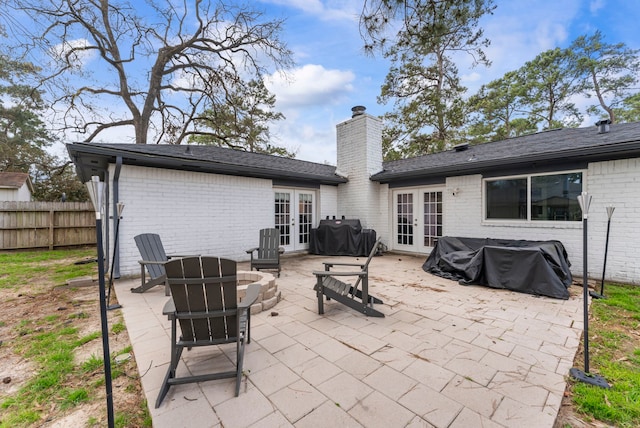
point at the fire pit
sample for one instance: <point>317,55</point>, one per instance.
<point>269,295</point>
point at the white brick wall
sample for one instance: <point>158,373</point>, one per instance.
<point>328,201</point>
<point>194,213</point>
<point>615,183</point>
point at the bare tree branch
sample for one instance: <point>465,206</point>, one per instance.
<point>152,67</point>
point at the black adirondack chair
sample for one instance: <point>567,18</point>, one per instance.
<point>204,302</point>
<point>329,284</point>
<point>267,254</point>
<point>153,260</point>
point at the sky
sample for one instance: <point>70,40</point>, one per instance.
<point>332,73</point>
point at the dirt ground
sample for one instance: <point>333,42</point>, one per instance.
<point>39,300</point>
<point>75,307</point>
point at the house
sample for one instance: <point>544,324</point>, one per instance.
<point>211,200</point>
<point>15,186</point>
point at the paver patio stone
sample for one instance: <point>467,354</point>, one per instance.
<point>345,390</point>
<point>317,370</point>
<point>273,378</point>
<point>435,408</point>
<point>512,413</point>
<point>328,411</point>
<point>390,382</point>
<point>512,385</point>
<point>295,355</point>
<point>429,374</point>
<point>358,364</point>
<point>275,419</point>
<point>297,400</point>
<point>378,411</point>
<point>240,413</point>
<point>468,418</point>
<point>473,396</point>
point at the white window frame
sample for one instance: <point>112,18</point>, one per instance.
<point>528,220</point>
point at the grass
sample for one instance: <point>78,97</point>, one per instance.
<point>49,337</point>
<point>614,353</point>
<point>52,351</point>
<point>20,268</point>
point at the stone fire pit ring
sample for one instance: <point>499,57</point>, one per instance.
<point>269,295</point>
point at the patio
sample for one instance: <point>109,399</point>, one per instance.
<point>445,355</point>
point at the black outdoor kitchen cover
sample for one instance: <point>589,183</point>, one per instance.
<point>534,267</point>
<point>344,237</point>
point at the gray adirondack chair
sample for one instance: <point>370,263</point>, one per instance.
<point>329,284</point>
<point>204,302</point>
<point>267,254</point>
<point>153,260</point>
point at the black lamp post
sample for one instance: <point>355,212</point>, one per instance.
<point>584,200</point>
<point>610,210</point>
<point>96,192</point>
<point>119,208</point>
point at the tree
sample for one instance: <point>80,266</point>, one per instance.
<point>423,81</point>
<point>499,109</point>
<point>23,136</point>
<point>605,71</point>
<point>630,109</point>
<point>242,123</point>
<point>24,139</point>
<point>537,95</point>
<point>549,85</point>
<point>57,181</point>
<point>153,66</point>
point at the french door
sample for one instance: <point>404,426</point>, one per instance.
<point>294,217</point>
<point>417,219</point>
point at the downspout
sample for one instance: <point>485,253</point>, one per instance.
<point>116,249</point>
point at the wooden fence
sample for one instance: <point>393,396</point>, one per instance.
<point>50,225</point>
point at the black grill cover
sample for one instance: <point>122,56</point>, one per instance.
<point>533,267</point>
<point>341,238</point>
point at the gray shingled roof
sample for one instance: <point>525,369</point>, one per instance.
<point>91,158</point>
<point>549,147</point>
<point>554,147</point>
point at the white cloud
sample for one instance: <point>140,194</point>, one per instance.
<point>326,11</point>
<point>310,85</point>
<point>520,29</point>
<point>80,58</point>
<point>596,5</point>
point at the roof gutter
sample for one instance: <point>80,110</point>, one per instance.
<point>115,268</point>
<point>181,163</point>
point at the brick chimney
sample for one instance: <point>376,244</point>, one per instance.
<point>359,155</point>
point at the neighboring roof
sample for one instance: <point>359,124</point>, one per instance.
<point>94,158</point>
<point>15,180</point>
<point>554,147</point>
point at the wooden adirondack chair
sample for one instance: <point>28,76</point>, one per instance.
<point>355,296</point>
<point>204,302</point>
<point>267,253</point>
<point>153,260</point>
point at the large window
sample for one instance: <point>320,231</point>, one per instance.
<point>549,197</point>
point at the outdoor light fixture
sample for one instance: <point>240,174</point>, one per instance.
<point>610,210</point>
<point>96,192</point>
<point>584,199</point>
